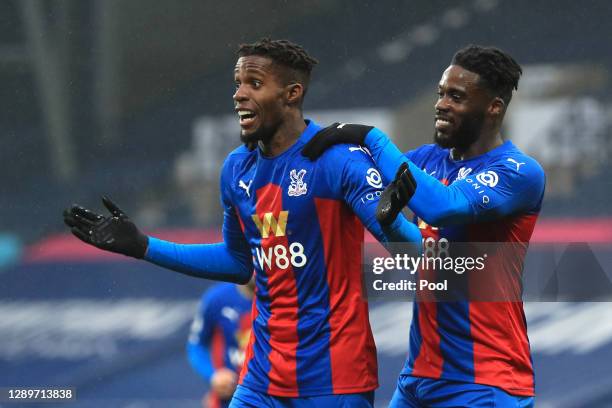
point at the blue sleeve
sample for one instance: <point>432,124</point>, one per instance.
<point>386,155</point>
<point>432,201</point>
<point>460,202</point>
<point>199,358</point>
<point>362,185</point>
<point>200,336</point>
<point>229,261</point>
<point>508,186</point>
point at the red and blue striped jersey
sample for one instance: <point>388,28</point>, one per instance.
<point>220,330</point>
<point>477,341</point>
<point>219,333</point>
<point>304,222</point>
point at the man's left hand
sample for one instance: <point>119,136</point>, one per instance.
<point>396,196</point>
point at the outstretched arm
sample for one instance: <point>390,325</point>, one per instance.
<point>435,203</point>
<point>497,191</point>
<point>431,201</point>
<point>227,261</point>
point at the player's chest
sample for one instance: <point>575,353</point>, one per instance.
<point>275,198</point>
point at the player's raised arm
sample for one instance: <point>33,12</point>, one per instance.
<point>432,201</point>
<point>513,185</point>
<point>225,261</point>
<point>114,233</point>
<point>229,261</point>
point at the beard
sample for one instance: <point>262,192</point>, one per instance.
<point>262,133</point>
<point>464,136</point>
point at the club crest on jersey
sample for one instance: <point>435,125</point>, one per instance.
<point>297,186</point>
<point>463,173</point>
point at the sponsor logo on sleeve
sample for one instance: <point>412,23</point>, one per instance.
<point>373,178</point>
<point>488,178</point>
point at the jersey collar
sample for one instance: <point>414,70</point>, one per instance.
<point>311,129</point>
<point>504,147</point>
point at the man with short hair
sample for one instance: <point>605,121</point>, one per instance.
<point>301,224</point>
<point>469,186</point>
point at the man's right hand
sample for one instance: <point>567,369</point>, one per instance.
<point>224,382</point>
<point>334,134</point>
<point>115,233</point>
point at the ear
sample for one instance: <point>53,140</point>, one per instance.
<point>497,106</point>
<point>294,93</point>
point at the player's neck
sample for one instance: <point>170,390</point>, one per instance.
<point>284,137</point>
<point>484,144</point>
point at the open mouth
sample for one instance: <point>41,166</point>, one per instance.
<point>246,117</point>
<point>442,123</point>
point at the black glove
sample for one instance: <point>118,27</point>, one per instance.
<point>334,134</point>
<point>396,196</point>
<point>115,233</point>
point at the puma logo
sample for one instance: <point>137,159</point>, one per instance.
<point>245,186</point>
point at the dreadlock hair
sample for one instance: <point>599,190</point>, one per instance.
<point>499,72</point>
<point>294,58</point>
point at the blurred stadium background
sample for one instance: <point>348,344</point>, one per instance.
<point>133,99</point>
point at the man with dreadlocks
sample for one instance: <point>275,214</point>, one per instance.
<point>301,224</point>
<point>469,186</point>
